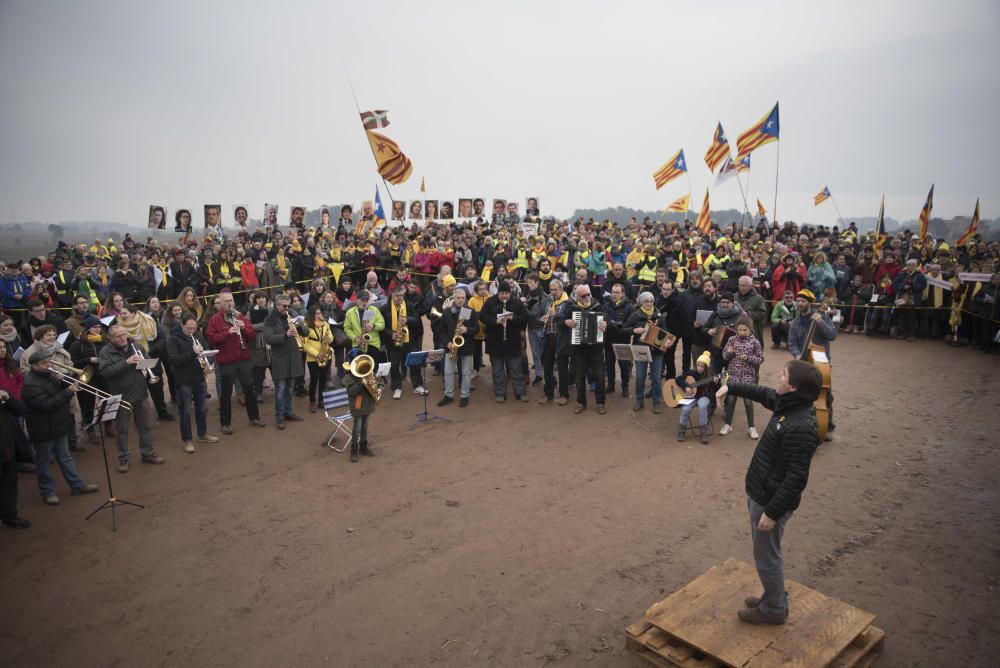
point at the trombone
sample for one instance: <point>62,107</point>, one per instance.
<point>76,376</point>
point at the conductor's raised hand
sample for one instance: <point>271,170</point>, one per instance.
<point>720,396</point>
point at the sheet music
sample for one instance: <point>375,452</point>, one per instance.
<point>146,363</point>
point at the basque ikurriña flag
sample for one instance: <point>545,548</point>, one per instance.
<point>375,119</point>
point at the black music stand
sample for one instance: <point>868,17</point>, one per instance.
<point>416,359</point>
<point>106,410</point>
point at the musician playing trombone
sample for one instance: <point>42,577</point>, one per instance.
<point>232,335</point>
<point>117,366</point>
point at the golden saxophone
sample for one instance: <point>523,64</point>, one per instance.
<point>457,340</point>
<point>400,333</point>
<point>325,353</point>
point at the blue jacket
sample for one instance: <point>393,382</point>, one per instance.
<point>15,286</point>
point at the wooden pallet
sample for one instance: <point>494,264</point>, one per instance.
<point>697,627</point>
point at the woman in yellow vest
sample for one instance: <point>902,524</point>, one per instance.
<point>319,339</point>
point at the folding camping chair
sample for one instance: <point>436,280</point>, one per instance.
<point>337,399</point>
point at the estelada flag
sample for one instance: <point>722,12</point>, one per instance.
<point>719,150</point>
<point>743,165</point>
<point>823,195</point>
<point>393,164</point>
<point>682,204</point>
<point>761,211</point>
<point>671,170</point>
<point>704,222</point>
<point>973,228</point>
<point>925,214</point>
<point>375,119</point>
<point>379,211</point>
<point>763,132</point>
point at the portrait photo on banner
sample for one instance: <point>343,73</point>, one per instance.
<point>478,206</point>
<point>398,210</point>
<point>531,207</point>
<point>213,215</point>
<point>182,220</point>
<point>157,217</point>
<point>511,208</point>
<point>431,209</point>
<point>297,217</point>
<point>499,208</point>
<point>325,217</point>
<point>416,210</point>
<point>240,215</point>
<point>346,215</point>
<point>270,215</point>
<point>447,210</point>
<point>465,207</point>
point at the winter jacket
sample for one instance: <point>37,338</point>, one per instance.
<point>497,342</point>
<point>183,360</point>
<point>230,350</point>
<point>779,469</point>
<point>286,358</point>
<point>47,401</point>
<point>744,371</point>
<point>755,307</point>
<point>826,332</point>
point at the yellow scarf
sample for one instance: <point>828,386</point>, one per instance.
<point>142,329</point>
<point>95,338</point>
<point>648,312</point>
<point>163,274</point>
<point>224,270</point>
<point>280,261</point>
<point>400,312</point>
<point>486,274</point>
<point>562,298</point>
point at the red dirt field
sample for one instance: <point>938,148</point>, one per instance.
<point>517,535</point>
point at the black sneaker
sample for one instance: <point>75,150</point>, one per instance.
<point>463,402</point>
<point>445,401</point>
<point>536,381</point>
<point>165,416</point>
<point>17,523</point>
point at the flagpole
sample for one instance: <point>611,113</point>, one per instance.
<point>375,157</point>
<point>777,162</point>
<point>690,193</point>
<point>839,214</point>
<point>746,208</point>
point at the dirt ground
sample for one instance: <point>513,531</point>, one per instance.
<point>515,535</point>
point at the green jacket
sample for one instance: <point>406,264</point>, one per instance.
<point>352,323</point>
<point>362,402</point>
<point>782,312</point>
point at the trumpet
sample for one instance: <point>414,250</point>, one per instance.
<point>90,389</point>
<point>206,365</point>
<point>151,377</point>
<point>84,375</point>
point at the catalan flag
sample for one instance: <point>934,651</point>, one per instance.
<point>764,132</point>
<point>761,211</point>
<point>704,222</point>
<point>743,165</point>
<point>925,214</point>
<point>719,150</point>
<point>682,204</point>
<point>379,211</point>
<point>671,170</point>
<point>823,195</point>
<point>393,164</point>
<point>880,235</point>
<point>973,228</point>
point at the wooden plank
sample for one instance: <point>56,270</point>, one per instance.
<point>697,592</point>
<point>817,639</point>
<point>864,654</point>
<point>669,651</point>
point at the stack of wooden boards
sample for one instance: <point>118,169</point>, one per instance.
<point>697,627</point>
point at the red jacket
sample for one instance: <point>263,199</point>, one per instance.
<point>228,345</point>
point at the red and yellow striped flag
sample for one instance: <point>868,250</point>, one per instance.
<point>671,170</point>
<point>719,150</point>
<point>704,222</point>
<point>973,228</point>
<point>682,204</point>
<point>393,164</point>
<point>925,214</point>
<point>763,132</point>
<point>761,211</point>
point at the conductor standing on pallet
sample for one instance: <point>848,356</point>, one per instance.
<point>777,475</point>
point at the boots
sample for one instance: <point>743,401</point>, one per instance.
<point>365,450</point>
<point>354,451</point>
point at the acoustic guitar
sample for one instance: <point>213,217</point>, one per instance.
<point>673,394</point>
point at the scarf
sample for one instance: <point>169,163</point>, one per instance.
<point>399,312</point>
<point>648,312</point>
<point>543,276</point>
<point>142,329</point>
<point>487,271</point>
<point>163,275</point>
<point>562,298</point>
<point>95,338</point>
<point>9,338</point>
<point>280,262</point>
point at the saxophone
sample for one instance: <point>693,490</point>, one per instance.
<point>325,351</point>
<point>400,333</point>
<point>457,340</point>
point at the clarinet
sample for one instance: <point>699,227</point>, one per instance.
<point>231,319</point>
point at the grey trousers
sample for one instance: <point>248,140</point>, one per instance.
<point>359,430</point>
<point>461,365</point>
<point>501,366</point>
<point>769,561</point>
<point>142,423</point>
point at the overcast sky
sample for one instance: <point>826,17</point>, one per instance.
<point>108,107</point>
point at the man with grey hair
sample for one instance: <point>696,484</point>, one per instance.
<point>589,358</point>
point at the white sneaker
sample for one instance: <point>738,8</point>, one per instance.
<point>753,433</point>
<point>725,429</point>
<point>396,394</point>
<point>421,390</point>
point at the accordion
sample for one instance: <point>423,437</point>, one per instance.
<point>587,330</point>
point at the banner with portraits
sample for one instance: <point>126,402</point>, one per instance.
<point>213,215</point>
<point>241,215</point>
<point>157,217</point>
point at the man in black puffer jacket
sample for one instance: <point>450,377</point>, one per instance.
<point>777,475</point>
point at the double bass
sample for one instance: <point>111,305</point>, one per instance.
<point>822,363</point>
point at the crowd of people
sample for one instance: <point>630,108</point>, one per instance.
<point>286,312</point>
